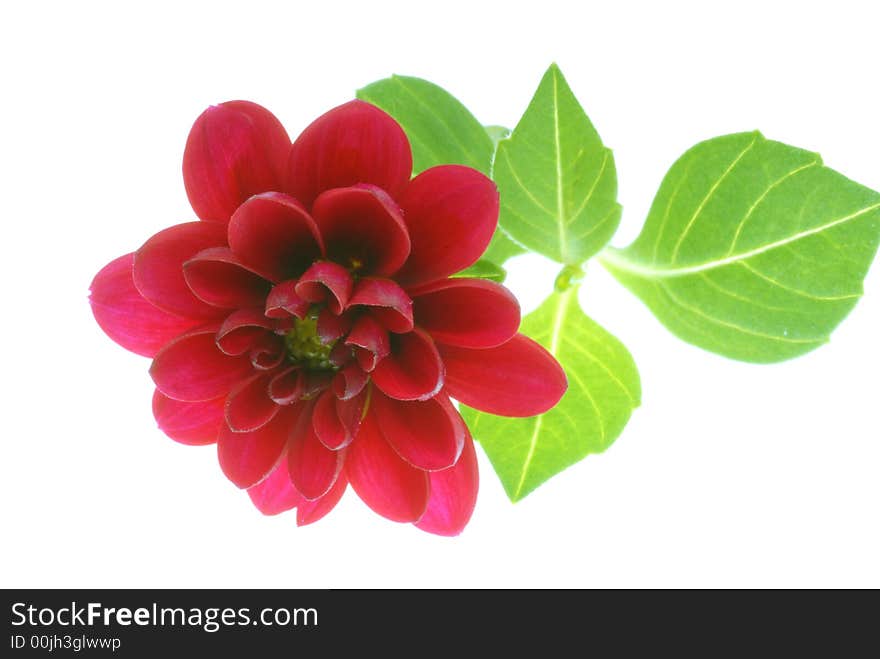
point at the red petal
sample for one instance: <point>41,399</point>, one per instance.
<point>453,495</point>
<point>331,327</point>
<point>275,493</point>
<point>367,360</point>
<point>386,483</point>
<point>326,280</point>
<point>351,412</point>
<point>328,428</point>
<point>429,435</point>
<point>349,381</point>
<point>370,340</point>
<point>353,143</point>
<point>313,467</point>
<point>470,313</point>
<point>268,353</point>
<point>234,150</point>
<point>247,457</point>
<point>363,229</point>
<point>248,406</point>
<point>309,512</point>
<point>158,267</point>
<point>337,422</point>
<point>451,213</point>
<point>340,355</point>
<point>192,367</point>
<point>274,235</point>
<point>243,330</point>
<point>189,423</point>
<point>413,370</point>
<point>518,378</point>
<point>216,276</point>
<point>287,386</point>
<point>316,382</point>
<point>390,304</point>
<point>283,301</point>
<point>126,317</point>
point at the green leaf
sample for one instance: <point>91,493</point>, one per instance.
<point>440,129</point>
<point>484,269</point>
<point>502,248</point>
<point>603,390</point>
<point>752,248</point>
<point>557,180</point>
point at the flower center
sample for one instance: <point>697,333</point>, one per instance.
<point>304,346</point>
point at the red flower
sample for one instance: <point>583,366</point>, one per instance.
<point>309,326</point>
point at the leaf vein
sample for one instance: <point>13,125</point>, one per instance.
<point>763,196</point>
<point>709,195</point>
<point>724,323</point>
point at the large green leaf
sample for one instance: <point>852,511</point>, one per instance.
<point>557,180</point>
<point>752,248</point>
<point>440,129</point>
<point>502,248</point>
<point>603,390</point>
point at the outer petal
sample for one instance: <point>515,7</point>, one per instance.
<point>195,424</point>
<point>158,267</point>
<point>353,143</point>
<point>363,229</point>
<point>429,435</point>
<point>275,493</point>
<point>313,467</point>
<point>309,512</point>
<point>274,235</point>
<point>451,213</point>
<point>390,486</point>
<point>453,495</point>
<point>469,313</point>
<point>126,317</point>
<point>518,378</point>
<point>216,276</point>
<point>413,370</point>
<point>234,150</point>
<point>192,367</point>
<point>248,457</point>
<point>389,303</point>
<point>248,406</point>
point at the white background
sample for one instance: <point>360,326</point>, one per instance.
<point>728,475</point>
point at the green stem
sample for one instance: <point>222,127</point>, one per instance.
<point>570,275</point>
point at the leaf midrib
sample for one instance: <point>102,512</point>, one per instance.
<point>555,336</point>
<point>616,258</point>
<point>560,221</point>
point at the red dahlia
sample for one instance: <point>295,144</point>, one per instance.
<point>308,323</point>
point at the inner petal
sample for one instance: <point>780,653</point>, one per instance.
<point>363,229</point>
